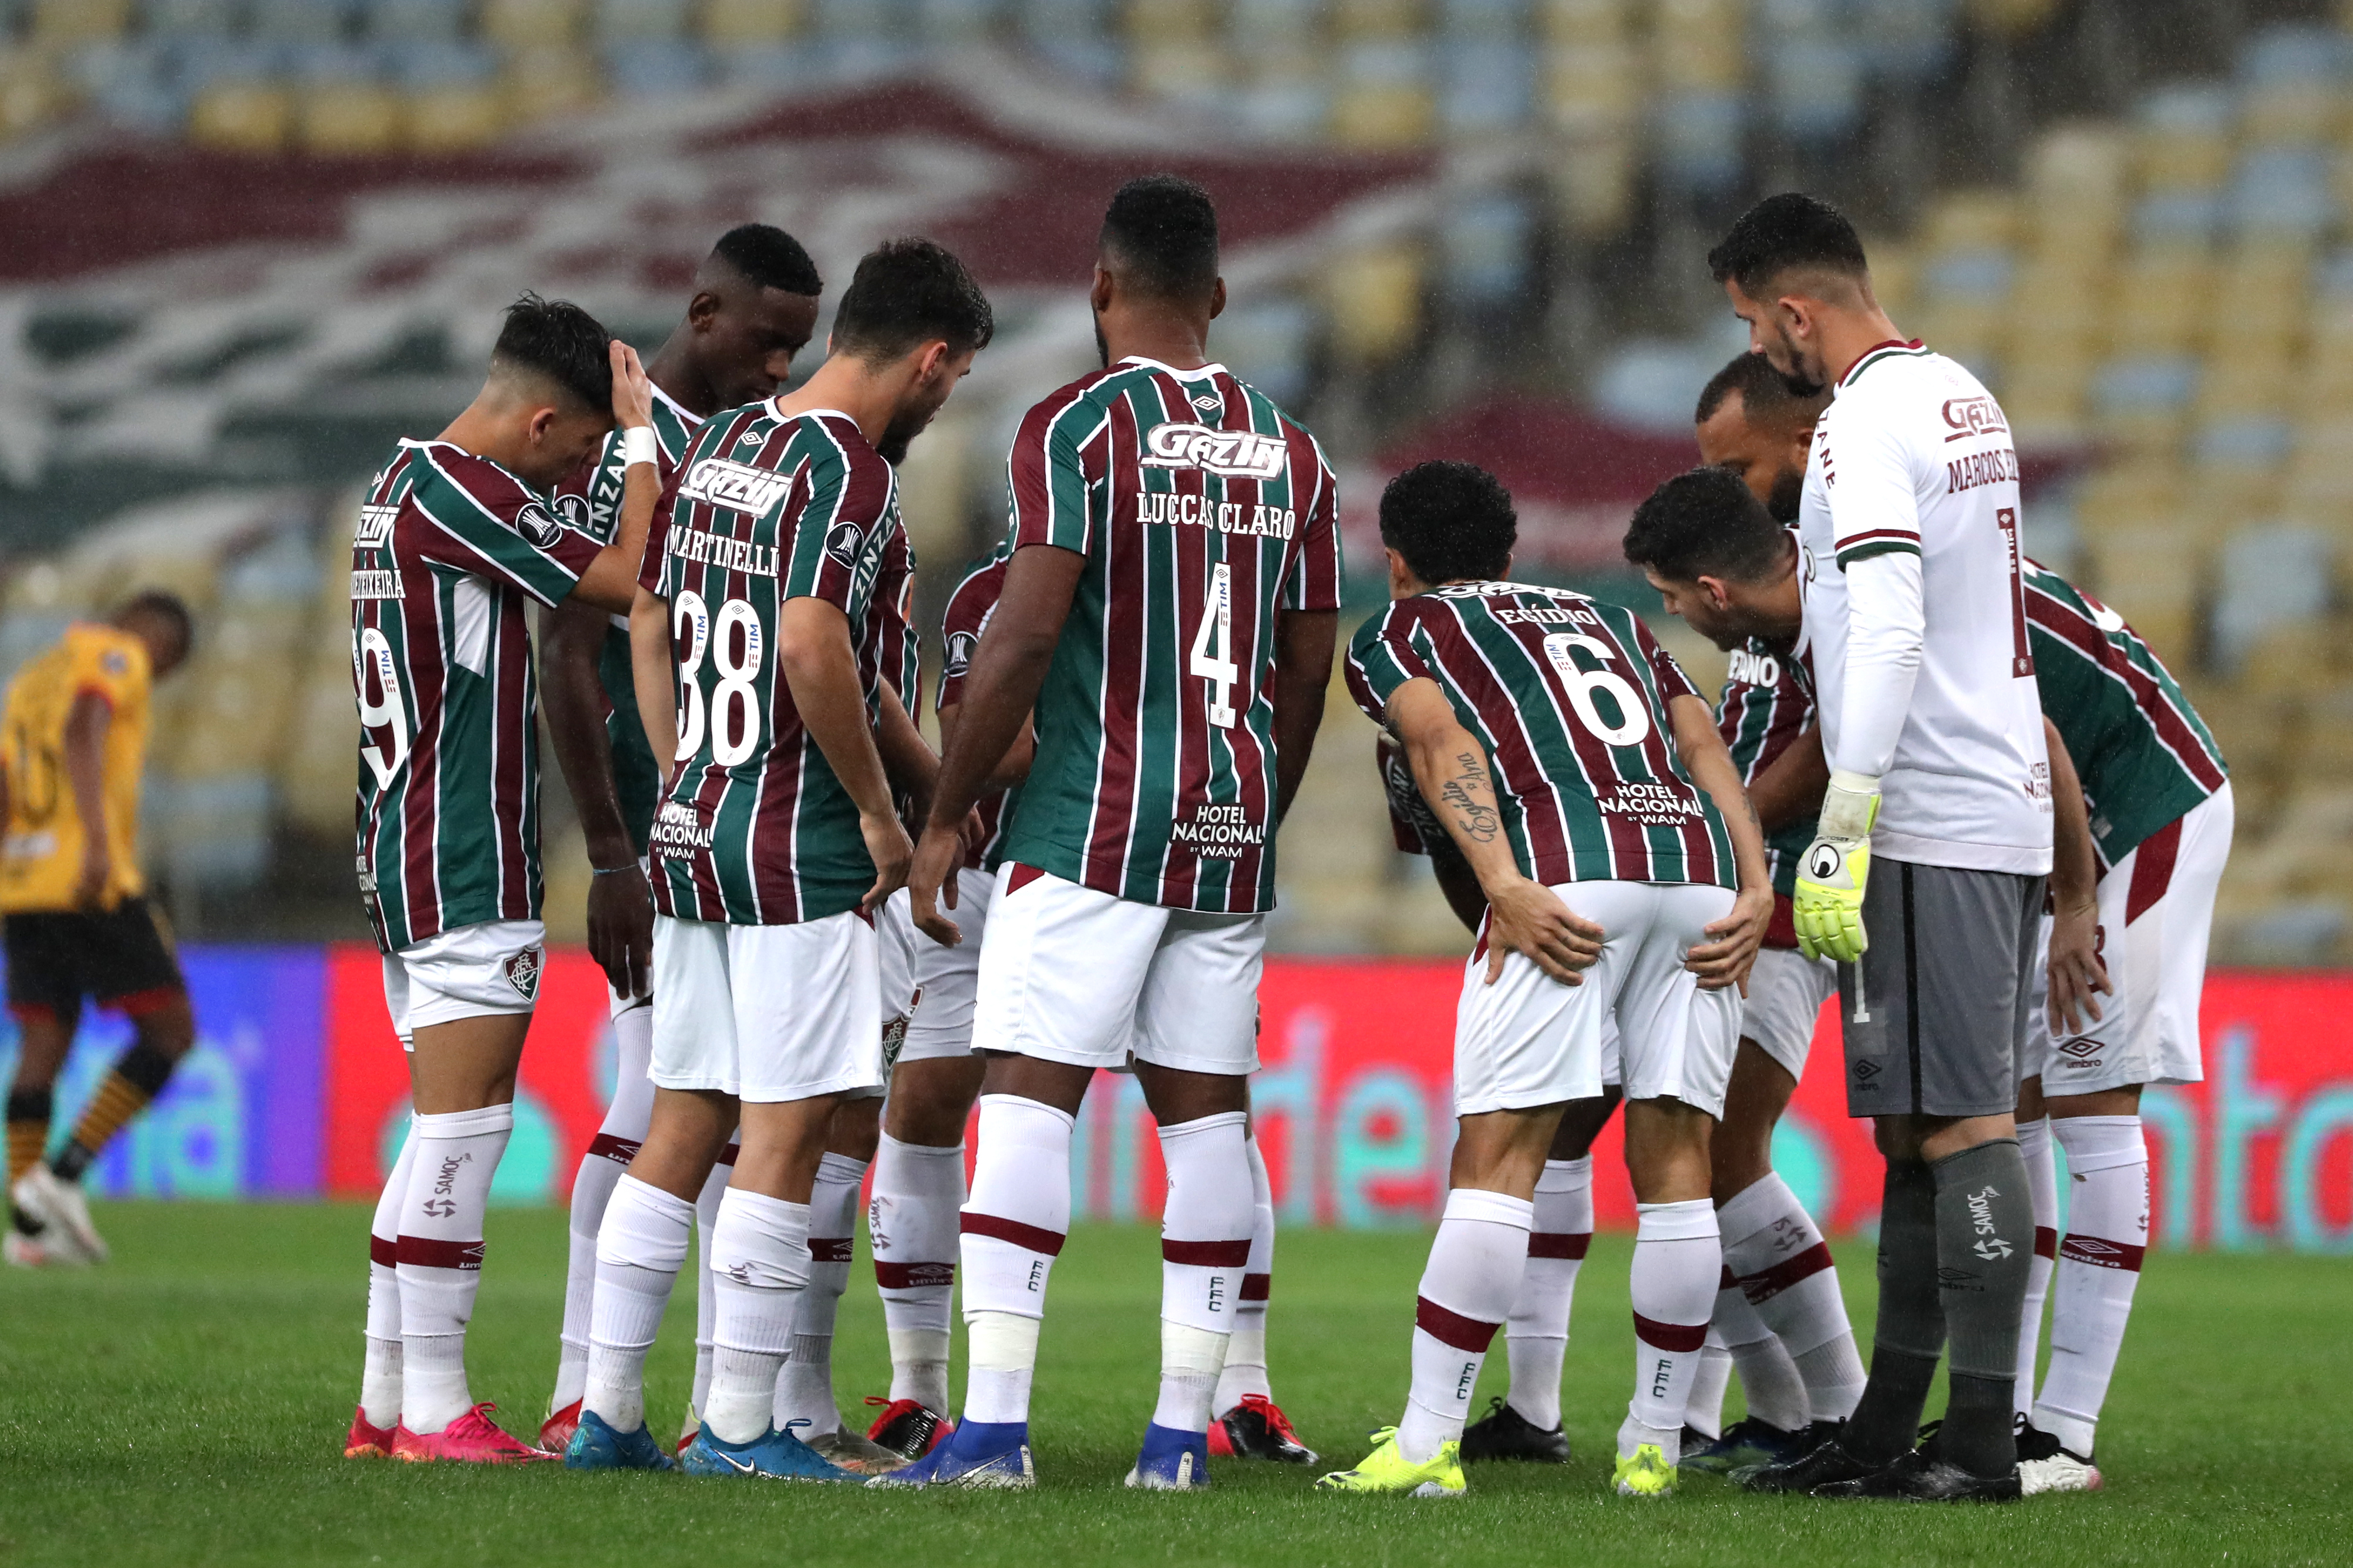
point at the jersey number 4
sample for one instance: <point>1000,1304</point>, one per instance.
<point>735,717</point>
<point>1213,646</point>
<point>1633,718</point>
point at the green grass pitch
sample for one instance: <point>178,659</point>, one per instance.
<point>186,1404</point>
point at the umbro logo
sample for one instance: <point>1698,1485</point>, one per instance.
<point>1866,1070</point>
<point>1208,404</point>
<point>1958,1280</point>
<point>2079,1048</point>
<point>2094,1245</point>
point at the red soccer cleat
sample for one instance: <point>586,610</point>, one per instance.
<point>472,1438</point>
<point>1256,1428</point>
<point>908,1426</point>
<point>367,1442</point>
<point>555,1432</point>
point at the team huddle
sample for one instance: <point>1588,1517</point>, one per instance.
<point>1942,784</point>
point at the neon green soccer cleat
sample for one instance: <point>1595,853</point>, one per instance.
<point>1645,1473</point>
<point>1386,1470</point>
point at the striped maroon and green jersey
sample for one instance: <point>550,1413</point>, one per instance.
<point>891,650</point>
<point>2144,755</point>
<point>1203,512</point>
<point>961,624</point>
<point>590,500</point>
<point>755,828</point>
<point>1414,827</point>
<point>1767,702</point>
<point>447,547</point>
<point>1569,698</point>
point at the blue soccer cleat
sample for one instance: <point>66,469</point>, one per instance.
<point>1171,1461</point>
<point>778,1456</point>
<point>595,1445</point>
<point>981,1455</point>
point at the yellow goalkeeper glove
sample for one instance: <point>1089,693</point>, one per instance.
<point>1834,869</point>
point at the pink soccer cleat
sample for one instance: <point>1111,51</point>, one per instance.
<point>367,1442</point>
<point>555,1432</point>
<point>473,1439</point>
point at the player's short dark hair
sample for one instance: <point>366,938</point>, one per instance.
<point>1164,230</point>
<point>558,340</point>
<point>1783,234</point>
<point>767,257</point>
<point>1767,398</point>
<point>1451,522</point>
<point>164,605</point>
<point>1705,522</point>
<point>906,292</point>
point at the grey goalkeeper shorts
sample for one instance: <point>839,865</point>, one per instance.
<point>1935,1012</point>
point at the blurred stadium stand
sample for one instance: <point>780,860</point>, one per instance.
<point>250,241</point>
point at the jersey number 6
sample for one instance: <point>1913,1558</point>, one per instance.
<point>1633,718</point>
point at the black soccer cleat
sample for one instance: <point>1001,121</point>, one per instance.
<point>1505,1434</point>
<point>1917,1478</point>
<point>1256,1428</point>
<point>1827,1463</point>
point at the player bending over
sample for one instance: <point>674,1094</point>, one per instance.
<point>455,536</point>
<point>1581,776</point>
<point>753,309</point>
<point>1167,615</point>
<point>776,841</point>
<point>73,743</point>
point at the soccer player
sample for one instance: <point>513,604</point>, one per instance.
<point>753,309</point>
<point>1168,615</point>
<point>1915,616</point>
<point>1581,776</point>
<point>2160,812</point>
<point>455,535</point>
<point>776,841</point>
<point>73,741</point>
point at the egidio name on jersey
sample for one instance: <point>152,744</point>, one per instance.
<point>1203,512</point>
<point>447,547</point>
<point>1912,455</point>
<point>755,828</point>
<point>1569,696</point>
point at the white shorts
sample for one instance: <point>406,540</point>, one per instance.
<point>898,996</point>
<point>2157,910</point>
<point>1785,992</point>
<point>1070,974</point>
<point>466,972</point>
<point>1528,1040</point>
<point>948,978</point>
<point>767,1014</point>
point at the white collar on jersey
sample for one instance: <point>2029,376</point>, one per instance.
<point>690,420</point>
<point>779,416</point>
<point>1172,370</point>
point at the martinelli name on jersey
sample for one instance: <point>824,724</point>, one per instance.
<point>1204,512</point>
<point>1569,698</point>
<point>447,547</point>
<point>755,828</point>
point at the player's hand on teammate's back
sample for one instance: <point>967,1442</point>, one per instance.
<point>621,928</point>
<point>1528,918</point>
<point>893,854</point>
<point>633,392</point>
<point>1834,870</point>
<point>1727,960</point>
<point>2077,972</point>
<point>936,858</point>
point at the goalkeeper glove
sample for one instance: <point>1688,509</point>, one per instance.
<point>1833,871</point>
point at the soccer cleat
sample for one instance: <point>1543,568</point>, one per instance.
<point>982,1454</point>
<point>473,1439</point>
<point>1256,1428</point>
<point>1917,1478</point>
<point>1827,1463</point>
<point>775,1457</point>
<point>367,1442</point>
<point>595,1445</point>
<point>1386,1470</point>
<point>686,1433</point>
<point>1171,1461</point>
<point>23,1251</point>
<point>856,1454</point>
<point>1644,1473</point>
<point>1505,1434</point>
<point>555,1432</point>
<point>1744,1445</point>
<point>2044,1467</point>
<point>907,1427</point>
<point>58,1210</point>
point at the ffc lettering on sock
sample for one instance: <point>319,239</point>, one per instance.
<point>1018,1215</point>
<point>1244,1373</point>
<point>1467,1288</point>
<point>1205,1229</point>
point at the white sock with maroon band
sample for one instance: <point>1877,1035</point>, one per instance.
<point>640,1248</point>
<point>1773,1247</point>
<point>2042,1192</point>
<point>1703,1411</point>
<point>1205,1247</point>
<point>2099,1266</point>
<point>912,1221</point>
<point>609,1154</point>
<point>1536,1335</point>
<point>1467,1288</point>
<point>1678,1262</point>
<point>1244,1373</point>
<point>759,1267</point>
<point>380,1374</point>
<point>440,1267</point>
<point>1013,1227</point>
<point>706,1297</point>
<point>805,1389</point>
<point>1775,1394</point>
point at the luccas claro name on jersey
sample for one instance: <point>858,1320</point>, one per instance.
<point>1754,669</point>
<point>1218,831</point>
<point>1225,516</point>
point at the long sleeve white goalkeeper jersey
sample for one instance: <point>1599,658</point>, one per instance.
<point>1915,615</point>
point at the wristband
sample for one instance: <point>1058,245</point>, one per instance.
<point>638,446</point>
<point>614,870</point>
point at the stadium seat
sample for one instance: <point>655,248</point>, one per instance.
<point>552,80</point>
<point>63,24</point>
<point>740,21</point>
<point>242,117</point>
<point>1375,297</point>
<point>1383,95</point>
<point>529,24</point>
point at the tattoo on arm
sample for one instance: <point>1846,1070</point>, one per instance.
<point>1477,817</point>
